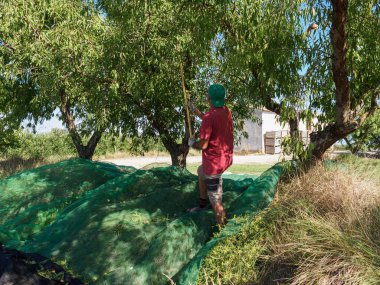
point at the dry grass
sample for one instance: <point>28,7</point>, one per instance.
<point>332,232</point>
<point>323,228</point>
<point>13,165</point>
<point>339,193</point>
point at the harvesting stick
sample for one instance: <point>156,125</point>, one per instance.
<point>186,103</point>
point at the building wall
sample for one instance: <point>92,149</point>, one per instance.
<point>267,122</point>
<point>254,130</point>
<point>271,123</point>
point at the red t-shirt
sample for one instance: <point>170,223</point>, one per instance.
<point>217,128</point>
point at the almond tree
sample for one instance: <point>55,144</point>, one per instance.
<point>331,72</point>
<point>344,81</point>
<point>151,42</point>
<point>57,48</point>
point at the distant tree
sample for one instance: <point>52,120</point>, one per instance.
<point>56,48</point>
<point>8,137</point>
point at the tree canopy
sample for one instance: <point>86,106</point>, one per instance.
<point>56,49</point>
<point>118,65</point>
<point>153,44</point>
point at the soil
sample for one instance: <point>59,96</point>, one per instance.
<point>18,268</point>
<point>141,161</point>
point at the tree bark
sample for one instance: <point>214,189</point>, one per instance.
<point>84,151</point>
<point>326,138</point>
<point>339,61</point>
<point>294,127</point>
<point>344,125</point>
<point>178,152</point>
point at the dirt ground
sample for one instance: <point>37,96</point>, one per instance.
<point>141,161</point>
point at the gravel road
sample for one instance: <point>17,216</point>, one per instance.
<point>141,161</point>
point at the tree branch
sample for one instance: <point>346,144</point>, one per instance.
<point>69,120</point>
<point>374,105</point>
<point>7,45</point>
<point>36,33</point>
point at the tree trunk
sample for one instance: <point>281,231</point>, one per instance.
<point>294,128</point>
<point>84,151</point>
<point>339,61</point>
<point>178,152</point>
<point>323,140</point>
<point>87,151</point>
<point>343,126</point>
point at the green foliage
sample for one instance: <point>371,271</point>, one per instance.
<point>54,144</point>
<point>111,144</point>
<point>8,138</point>
<point>239,259</point>
<point>116,65</point>
<point>150,43</point>
<point>295,147</point>
<point>58,145</point>
<point>363,53</point>
<point>367,137</point>
<point>52,57</point>
<point>259,58</point>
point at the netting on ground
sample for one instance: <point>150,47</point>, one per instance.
<point>121,225</point>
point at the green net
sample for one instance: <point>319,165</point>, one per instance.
<point>120,225</point>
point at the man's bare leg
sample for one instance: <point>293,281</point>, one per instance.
<point>220,214</point>
<point>202,185</point>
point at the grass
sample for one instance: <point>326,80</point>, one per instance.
<point>253,168</point>
<point>16,164</point>
<point>322,228</point>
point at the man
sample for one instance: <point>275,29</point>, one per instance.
<point>216,143</point>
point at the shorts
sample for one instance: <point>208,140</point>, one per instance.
<point>214,186</point>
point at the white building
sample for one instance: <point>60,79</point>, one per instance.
<point>267,121</point>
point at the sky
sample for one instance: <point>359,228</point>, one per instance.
<point>46,126</point>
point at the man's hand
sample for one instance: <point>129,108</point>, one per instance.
<point>195,110</point>
<point>191,142</point>
<point>191,107</point>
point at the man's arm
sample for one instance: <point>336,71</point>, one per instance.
<point>195,110</point>
<point>198,113</point>
<point>202,144</point>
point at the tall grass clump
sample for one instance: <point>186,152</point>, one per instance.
<point>322,228</point>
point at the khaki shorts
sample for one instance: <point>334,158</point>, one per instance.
<point>214,186</point>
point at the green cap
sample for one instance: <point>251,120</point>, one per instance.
<point>217,92</point>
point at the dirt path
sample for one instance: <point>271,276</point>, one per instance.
<point>141,161</point>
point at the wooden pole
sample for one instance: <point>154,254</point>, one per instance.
<point>186,102</point>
